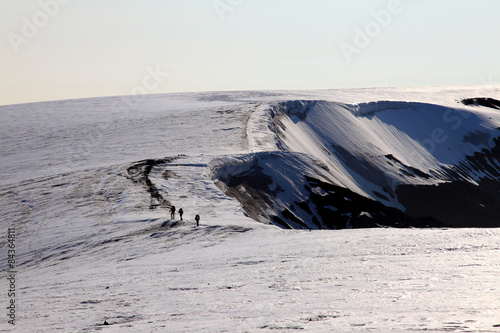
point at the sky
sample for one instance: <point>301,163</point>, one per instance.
<point>62,49</point>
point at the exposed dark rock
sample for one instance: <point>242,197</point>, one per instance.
<point>139,172</point>
<point>325,206</point>
<point>338,208</point>
<point>252,191</point>
<point>482,101</point>
<point>458,204</point>
<point>406,169</point>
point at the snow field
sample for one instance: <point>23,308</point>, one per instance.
<point>259,280</point>
<point>91,250</point>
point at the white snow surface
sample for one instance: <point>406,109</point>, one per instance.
<point>89,249</point>
<point>353,141</point>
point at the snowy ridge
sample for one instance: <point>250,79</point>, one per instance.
<point>425,136</point>
<point>375,148</point>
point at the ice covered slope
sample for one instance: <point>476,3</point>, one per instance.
<point>437,163</point>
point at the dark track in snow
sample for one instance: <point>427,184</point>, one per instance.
<point>139,172</point>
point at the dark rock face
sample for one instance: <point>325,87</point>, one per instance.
<point>334,207</point>
<point>455,202</point>
<point>482,101</point>
<point>460,203</point>
<point>252,191</point>
<point>315,204</point>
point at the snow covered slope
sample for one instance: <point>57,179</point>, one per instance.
<point>86,184</point>
<point>392,152</point>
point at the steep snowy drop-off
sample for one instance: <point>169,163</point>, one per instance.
<point>294,191</point>
<point>439,164</point>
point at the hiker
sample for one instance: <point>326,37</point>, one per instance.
<point>172,212</point>
<point>197,218</point>
<point>180,213</point>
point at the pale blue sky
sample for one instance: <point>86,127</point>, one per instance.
<point>90,48</point>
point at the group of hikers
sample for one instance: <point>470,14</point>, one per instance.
<point>172,215</point>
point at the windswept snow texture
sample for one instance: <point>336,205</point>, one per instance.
<point>438,164</point>
<point>87,185</point>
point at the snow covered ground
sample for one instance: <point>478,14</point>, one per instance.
<point>90,250</point>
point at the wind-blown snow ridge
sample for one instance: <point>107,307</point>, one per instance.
<point>380,150</point>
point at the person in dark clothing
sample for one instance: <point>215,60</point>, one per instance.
<point>180,213</point>
<point>172,212</point>
<point>197,218</point>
